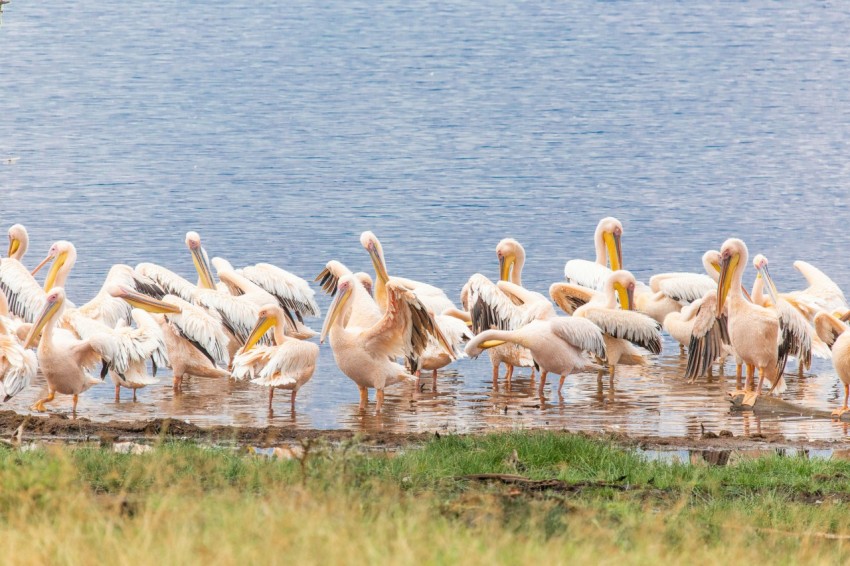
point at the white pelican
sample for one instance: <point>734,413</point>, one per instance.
<point>19,242</point>
<point>150,344</point>
<point>64,359</point>
<point>755,333</point>
<point>17,365</point>
<point>194,337</point>
<point>620,327</point>
<point>494,306</point>
<point>366,354</point>
<point>364,311</point>
<point>287,365</point>
<point>556,343</point>
<point>24,294</point>
<point>834,333</point>
<point>606,241</point>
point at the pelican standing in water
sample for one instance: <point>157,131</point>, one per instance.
<point>287,365</point>
<point>621,327</point>
<point>834,333</point>
<point>492,306</point>
<point>17,365</point>
<point>607,242</point>
<point>367,354</point>
<point>755,332</point>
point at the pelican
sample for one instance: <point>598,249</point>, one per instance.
<point>833,332</point>
<point>606,241</point>
<point>494,306</point>
<point>194,337</point>
<point>556,343</point>
<point>756,333</point>
<point>150,345</point>
<point>694,288</point>
<point>24,294</point>
<point>822,294</point>
<point>806,339</point>
<point>620,327</point>
<point>19,242</point>
<point>65,359</point>
<point>287,365</point>
<point>17,365</point>
<point>366,354</point>
<point>364,311</point>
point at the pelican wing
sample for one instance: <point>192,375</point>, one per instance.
<point>570,297</point>
<point>633,326</point>
<point>106,308</point>
<point>535,305</point>
<point>292,292</point>
<point>586,273</point>
<point>829,328</point>
<point>290,361</point>
<point>167,280</point>
<point>236,314</point>
<point>432,297</point>
<point>795,335</point>
<point>682,287</point>
<point>23,293</point>
<point>581,333</point>
<point>17,367</point>
<point>328,278</point>
<point>119,347</point>
<point>822,286</point>
<point>490,307</point>
<point>404,328</point>
<point>708,336</point>
<point>202,328</point>
<point>456,332</point>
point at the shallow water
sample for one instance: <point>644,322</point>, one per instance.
<point>280,131</point>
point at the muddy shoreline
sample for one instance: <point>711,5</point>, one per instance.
<point>16,427</point>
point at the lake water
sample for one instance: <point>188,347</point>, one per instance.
<point>281,130</point>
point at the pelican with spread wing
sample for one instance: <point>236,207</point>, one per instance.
<point>367,354</point>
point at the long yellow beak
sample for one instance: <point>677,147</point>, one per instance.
<point>14,246</point>
<point>260,329</point>
<point>627,297</point>
<point>487,344</point>
<point>50,280</point>
<point>378,264</point>
<point>727,268</point>
<point>506,263</point>
<point>146,303</point>
<point>38,267</point>
<point>615,251</point>
<point>336,307</point>
<point>202,266</point>
<point>771,287</point>
<point>40,323</point>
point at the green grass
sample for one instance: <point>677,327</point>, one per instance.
<point>182,503</point>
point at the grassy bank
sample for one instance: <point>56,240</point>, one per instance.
<point>587,500</point>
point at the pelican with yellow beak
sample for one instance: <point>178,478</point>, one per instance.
<point>194,337</point>
<point>755,332</point>
<point>287,365</point>
<point>367,354</point>
<point>23,293</point>
<point>19,242</point>
<point>621,326</point>
<point>606,241</point>
<point>364,311</point>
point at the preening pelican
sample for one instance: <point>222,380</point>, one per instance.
<point>556,344</point>
<point>194,337</point>
<point>620,327</point>
<point>19,242</point>
<point>17,365</point>
<point>755,332</point>
<point>367,354</point>
<point>287,365</point>
<point>834,333</point>
<point>606,241</point>
<point>149,344</point>
<point>492,306</point>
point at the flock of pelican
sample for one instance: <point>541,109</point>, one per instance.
<point>248,323</point>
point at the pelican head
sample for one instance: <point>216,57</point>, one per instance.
<point>18,241</point>
<point>344,290</point>
<point>370,242</point>
<point>141,301</point>
<point>54,304</point>
<point>63,254</point>
<point>760,265</point>
<point>733,260</point>
<point>511,256</point>
<point>623,283</point>
<point>201,260</point>
<point>268,317</point>
<point>711,263</point>
<point>609,232</point>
